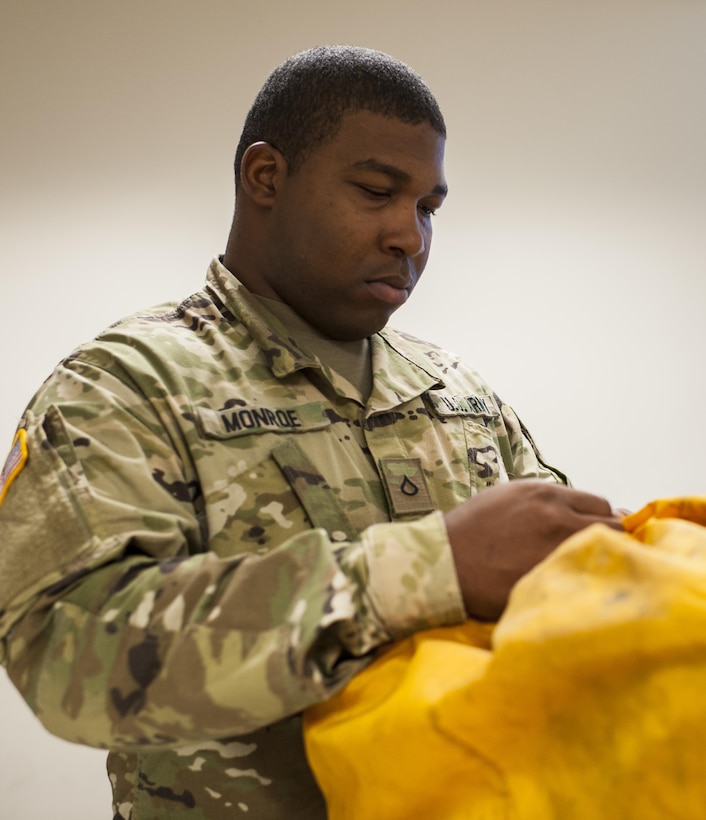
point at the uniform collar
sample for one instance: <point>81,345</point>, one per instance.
<point>283,353</point>
<point>400,372</point>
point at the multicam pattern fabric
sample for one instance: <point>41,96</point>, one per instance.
<point>212,532</point>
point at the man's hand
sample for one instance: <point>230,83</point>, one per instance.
<point>500,534</point>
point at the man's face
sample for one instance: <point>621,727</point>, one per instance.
<point>351,228</point>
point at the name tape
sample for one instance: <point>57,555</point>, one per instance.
<point>246,419</point>
<point>474,405</point>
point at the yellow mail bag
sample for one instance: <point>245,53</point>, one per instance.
<point>586,701</point>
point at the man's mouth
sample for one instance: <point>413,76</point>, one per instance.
<point>391,291</point>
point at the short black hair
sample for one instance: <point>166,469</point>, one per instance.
<point>304,99</point>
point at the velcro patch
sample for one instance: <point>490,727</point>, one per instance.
<point>406,486</point>
<point>16,460</point>
<point>244,419</point>
<point>473,405</point>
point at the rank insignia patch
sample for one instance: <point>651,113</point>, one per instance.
<point>16,460</point>
<point>405,486</point>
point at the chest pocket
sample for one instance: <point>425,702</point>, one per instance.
<point>488,451</point>
<point>250,505</point>
<point>260,485</point>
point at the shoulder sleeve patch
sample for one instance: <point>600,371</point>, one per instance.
<point>16,460</point>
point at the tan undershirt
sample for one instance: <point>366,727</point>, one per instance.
<point>349,359</point>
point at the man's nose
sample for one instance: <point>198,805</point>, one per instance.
<point>406,235</point>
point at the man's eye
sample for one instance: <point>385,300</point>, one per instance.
<point>427,210</point>
<point>375,193</point>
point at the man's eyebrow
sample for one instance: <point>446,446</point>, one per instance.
<point>393,172</point>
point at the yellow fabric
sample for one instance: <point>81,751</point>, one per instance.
<point>587,700</point>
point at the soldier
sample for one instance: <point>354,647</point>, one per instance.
<point>214,513</point>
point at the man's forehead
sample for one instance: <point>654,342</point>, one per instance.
<point>367,140</point>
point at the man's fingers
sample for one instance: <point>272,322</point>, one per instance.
<point>589,504</point>
<point>612,522</point>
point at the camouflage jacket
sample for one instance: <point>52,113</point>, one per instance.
<point>204,531</point>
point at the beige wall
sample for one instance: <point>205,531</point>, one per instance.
<point>569,262</point>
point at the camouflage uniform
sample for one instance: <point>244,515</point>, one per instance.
<point>210,532</point>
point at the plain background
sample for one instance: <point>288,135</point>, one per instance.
<point>569,263</point>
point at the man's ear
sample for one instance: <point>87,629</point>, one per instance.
<point>261,170</point>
